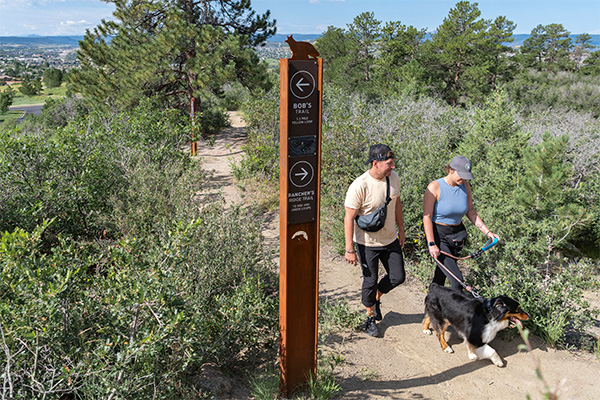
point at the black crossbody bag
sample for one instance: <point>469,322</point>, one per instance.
<point>376,220</point>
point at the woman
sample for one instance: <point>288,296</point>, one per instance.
<point>447,200</point>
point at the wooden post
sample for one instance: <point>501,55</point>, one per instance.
<point>193,109</point>
<point>300,179</point>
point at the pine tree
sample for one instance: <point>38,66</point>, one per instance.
<point>364,32</point>
<point>457,57</point>
<point>177,50</point>
<point>591,65</point>
<point>31,86</point>
<point>582,48</point>
<point>53,77</point>
<point>398,67</point>
<point>6,99</point>
<point>545,174</point>
<point>545,193</point>
<point>547,48</point>
<point>501,67</point>
<point>335,48</point>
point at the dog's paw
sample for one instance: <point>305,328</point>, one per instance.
<point>449,350</point>
<point>498,362</point>
<point>427,331</point>
<point>473,356</point>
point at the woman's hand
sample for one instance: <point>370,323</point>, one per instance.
<point>492,235</point>
<point>434,251</point>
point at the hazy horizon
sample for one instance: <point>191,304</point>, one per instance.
<point>20,18</point>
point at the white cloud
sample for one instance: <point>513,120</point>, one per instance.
<point>74,23</point>
<point>14,4</point>
<point>29,27</point>
<point>73,27</point>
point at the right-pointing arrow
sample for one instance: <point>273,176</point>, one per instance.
<point>303,174</point>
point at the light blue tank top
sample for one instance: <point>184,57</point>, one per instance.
<point>452,205</point>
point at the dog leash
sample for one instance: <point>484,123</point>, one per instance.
<point>488,245</point>
<point>467,288</point>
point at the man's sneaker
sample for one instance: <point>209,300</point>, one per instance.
<point>371,327</point>
<point>377,311</point>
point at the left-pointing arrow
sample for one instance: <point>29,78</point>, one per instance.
<point>300,84</point>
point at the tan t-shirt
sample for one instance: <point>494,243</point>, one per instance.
<point>366,194</point>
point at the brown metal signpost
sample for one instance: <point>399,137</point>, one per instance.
<point>300,178</point>
<point>193,112</point>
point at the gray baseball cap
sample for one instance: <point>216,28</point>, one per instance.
<point>462,165</point>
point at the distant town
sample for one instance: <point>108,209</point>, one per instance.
<point>21,56</point>
<point>31,56</point>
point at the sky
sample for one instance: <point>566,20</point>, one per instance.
<point>73,17</point>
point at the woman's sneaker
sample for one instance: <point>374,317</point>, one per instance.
<point>371,327</point>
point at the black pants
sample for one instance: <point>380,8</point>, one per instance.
<point>450,239</point>
<point>393,262</point>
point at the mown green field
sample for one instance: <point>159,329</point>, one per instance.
<point>11,114</point>
<point>20,99</point>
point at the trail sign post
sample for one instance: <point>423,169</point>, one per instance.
<point>300,178</point>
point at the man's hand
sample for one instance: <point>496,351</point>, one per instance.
<point>351,258</point>
<point>401,238</point>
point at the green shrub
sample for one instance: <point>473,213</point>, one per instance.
<point>234,96</point>
<point>116,173</point>
<point>58,113</point>
<point>130,320</point>
<point>260,159</point>
<point>420,132</point>
<point>523,193</point>
<point>556,90</point>
<point>212,121</point>
<point>552,296</point>
<point>537,191</point>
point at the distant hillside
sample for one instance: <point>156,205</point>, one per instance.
<point>518,38</point>
<point>278,38</point>
<point>41,40</point>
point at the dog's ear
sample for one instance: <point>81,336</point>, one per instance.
<point>498,303</point>
<point>509,303</point>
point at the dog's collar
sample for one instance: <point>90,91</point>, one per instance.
<point>487,308</point>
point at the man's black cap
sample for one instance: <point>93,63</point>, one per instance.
<point>379,152</point>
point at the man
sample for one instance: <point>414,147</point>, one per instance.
<point>365,195</point>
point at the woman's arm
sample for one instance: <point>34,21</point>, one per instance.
<point>432,193</point>
<point>475,218</point>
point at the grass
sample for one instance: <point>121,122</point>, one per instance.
<point>334,316</point>
<point>22,100</point>
<point>265,385</point>
<point>10,115</point>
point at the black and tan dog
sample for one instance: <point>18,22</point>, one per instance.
<point>476,321</point>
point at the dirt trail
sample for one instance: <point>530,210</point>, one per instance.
<point>404,363</point>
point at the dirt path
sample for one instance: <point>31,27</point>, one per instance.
<point>404,363</point>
